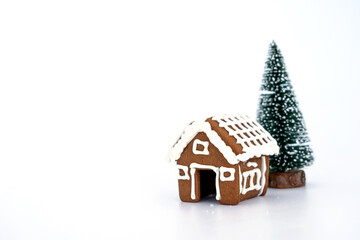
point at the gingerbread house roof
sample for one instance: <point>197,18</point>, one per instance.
<point>237,137</point>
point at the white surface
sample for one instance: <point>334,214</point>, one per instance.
<point>94,93</point>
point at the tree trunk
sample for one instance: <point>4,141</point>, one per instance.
<point>287,179</point>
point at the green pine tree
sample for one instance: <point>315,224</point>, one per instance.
<point>279,114</point>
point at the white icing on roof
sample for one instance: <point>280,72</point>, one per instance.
<point>254,139</point>
<point>191,131</point>
<point>247,132</point>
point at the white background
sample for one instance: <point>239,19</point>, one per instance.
<point>94,93</point>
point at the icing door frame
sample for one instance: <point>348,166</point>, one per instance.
<point>193,168</point>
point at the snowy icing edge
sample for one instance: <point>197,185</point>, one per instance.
<point>194,128</point>
<point>191,131</point>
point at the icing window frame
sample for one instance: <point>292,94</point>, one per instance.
<point>224,170</point>
<point>205,144</point>
<point>185,169</point>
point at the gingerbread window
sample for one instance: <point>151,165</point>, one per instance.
<point>227,174</point>
<point>182,172</point>
<point>200,147</point>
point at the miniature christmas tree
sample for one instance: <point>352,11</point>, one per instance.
<point>279,114</point>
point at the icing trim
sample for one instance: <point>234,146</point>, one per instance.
<point>229,178</point>
<point>251,164</point>
<point>186,171</point>
<point>205,144</point>
<point>191,131</point>
<point>192,173</point>
<point>251,174</point>
<point>240,179</point>
<point>263,177</point>
<point>253,138</point>
<point>193,168</point>
<point>268,144</point>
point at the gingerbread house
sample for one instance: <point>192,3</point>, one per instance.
<point>226,155</point>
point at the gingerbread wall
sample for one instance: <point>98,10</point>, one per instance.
<point>244,166</point>
<point>229,190</point>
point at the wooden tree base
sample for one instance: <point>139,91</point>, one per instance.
<point>291,179</point>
